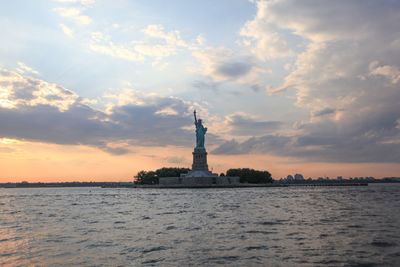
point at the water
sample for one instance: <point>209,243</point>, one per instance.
<point>313,226</point>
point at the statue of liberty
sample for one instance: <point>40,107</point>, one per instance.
<point>200,132</point>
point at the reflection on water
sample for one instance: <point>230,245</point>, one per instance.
<point>330,226</point>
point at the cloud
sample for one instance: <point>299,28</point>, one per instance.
<point>157,51</point>
<point>233,69</point>
<point>74,14</point>
<point>101,44</point>
<point>262,36</point>
<point>220,64</point>
<point>201,40</point>
<point>172,38</point>
<point>66,30</point>
<point>212,58</point>
<point>45,112</point>
<point>26,91</point>
<point>321,21</point>
<point>241,124</point>
<point>324,111</point>
<point>157,44</point>
<point>22,68</point>
<point>349,70</point>
<point>205,85</point>
<point>171,42</point>
<point>390,72</point>
<point>231,147</point>
<point>271,144</point>
<point>324,146</point>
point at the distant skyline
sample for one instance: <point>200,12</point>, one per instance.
<point>96,90</point>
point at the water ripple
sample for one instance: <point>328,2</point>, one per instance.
<point>249,226</point>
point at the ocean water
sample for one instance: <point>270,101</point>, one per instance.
<point>295,226</point>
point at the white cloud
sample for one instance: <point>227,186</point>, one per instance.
<point>201,40</point>
<point>211,58</point>
<point>156,44</point>
<point>22,68</point>
<point>172,38</point>
<point>21,90</point>
<point>66,30</point>
<point>4,98</point>
<point>101,44</point>
<point>171,41</point>
<point>390,72</point>
<point>74,14</point>
<point>263,38</point>
<point>157,51</point>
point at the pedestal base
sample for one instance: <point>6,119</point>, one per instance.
<point>199,160</point>
<point>196,181</point>
<point>200,174</point>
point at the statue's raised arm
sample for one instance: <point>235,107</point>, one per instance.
<point>195,119</point>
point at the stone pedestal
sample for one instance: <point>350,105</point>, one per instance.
<point>200,166</point>
<point>199,176</point>
<point>199,160</point>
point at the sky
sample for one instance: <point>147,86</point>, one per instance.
<point>97,90</point>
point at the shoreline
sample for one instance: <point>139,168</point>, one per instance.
<point>177,186</point>
<point>245,185</point>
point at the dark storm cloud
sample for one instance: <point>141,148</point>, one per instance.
<point>245,126</point>
<point>233,69</point>
<point>367,134</point>
<point>48,124</point>
<point>80,124</point>
<point>324,111</point>
<point>231,147</point>
<point>264,144</point>
<point>375,140</point>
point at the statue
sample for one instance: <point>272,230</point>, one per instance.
<point>200,132</point>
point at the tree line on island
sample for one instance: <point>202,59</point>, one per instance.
<point>251,176</point>
<point>246,175</point>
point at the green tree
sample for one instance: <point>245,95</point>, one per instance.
<point>250,175</point>
<point>171,172</point>
<point>152,177</point>
<point>144,177</point>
